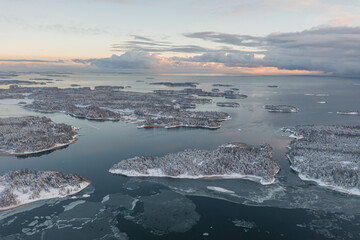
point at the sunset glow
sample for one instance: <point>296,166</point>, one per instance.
<point>157,37</point>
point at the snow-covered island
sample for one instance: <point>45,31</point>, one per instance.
<point>349,112</point>
<point>281,108</point>
<point>110,103</point>
<point>24,186</point>
<point>86,112</point>
<point>327,155</point>
<point>228,104</point>
<point>32,134</point>
<point>232,160</point>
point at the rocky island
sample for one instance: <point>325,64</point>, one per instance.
<point>281,108</point>
<point>228,104</point>
<point>327,155</point>
<point>31,134</point>
<point>24,186</point>
<point>233,160</point>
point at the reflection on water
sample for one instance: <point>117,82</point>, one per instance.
<point>162,208</point>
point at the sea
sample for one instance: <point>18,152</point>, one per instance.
<point>120,207</point>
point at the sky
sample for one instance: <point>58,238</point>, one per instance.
<point>262,37</point>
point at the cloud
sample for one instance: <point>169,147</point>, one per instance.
<point>142,38</point>
<point>144,44</point>
<point>31,61</point>
<point>325,49</point>
<point>156,48</point>
<point>330,49</point>
<point>23,65</point>
<point>233,39</point>
<point>71,29</point>
<point>130,61</point>
<point>333,50</point>
<point>56,27</point>
<point>316,8</point>
<point>235,59</point>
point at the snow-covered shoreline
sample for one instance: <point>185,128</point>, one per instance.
<point>353,191</point>
<point>184,176</point>
<point>57,146</point>
<point>326,155</point>
<point>46,197</point>
<point>19,188</point>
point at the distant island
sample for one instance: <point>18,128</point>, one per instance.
<point>327,155</point>
<point>42,79</point>
<point>281,108</point>
<point>349,112</point>
<point>215,92</point>
<point>175,84</point>
<point>221,85</point>
<point>228,104</point>
<point>20,82</point>
<point>31,134</point>
<point>25,186</point>
<point>232,160</point>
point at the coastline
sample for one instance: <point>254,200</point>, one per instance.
<point>83,185</point>
<point>57,146</point>
<point>156,173</point>
<point>353,191</point>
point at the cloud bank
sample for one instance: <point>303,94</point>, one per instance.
<point>321,50</point>
<point>333,50</point>
<point>129,61</point>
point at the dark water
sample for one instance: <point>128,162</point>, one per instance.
<point>162,208</point>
